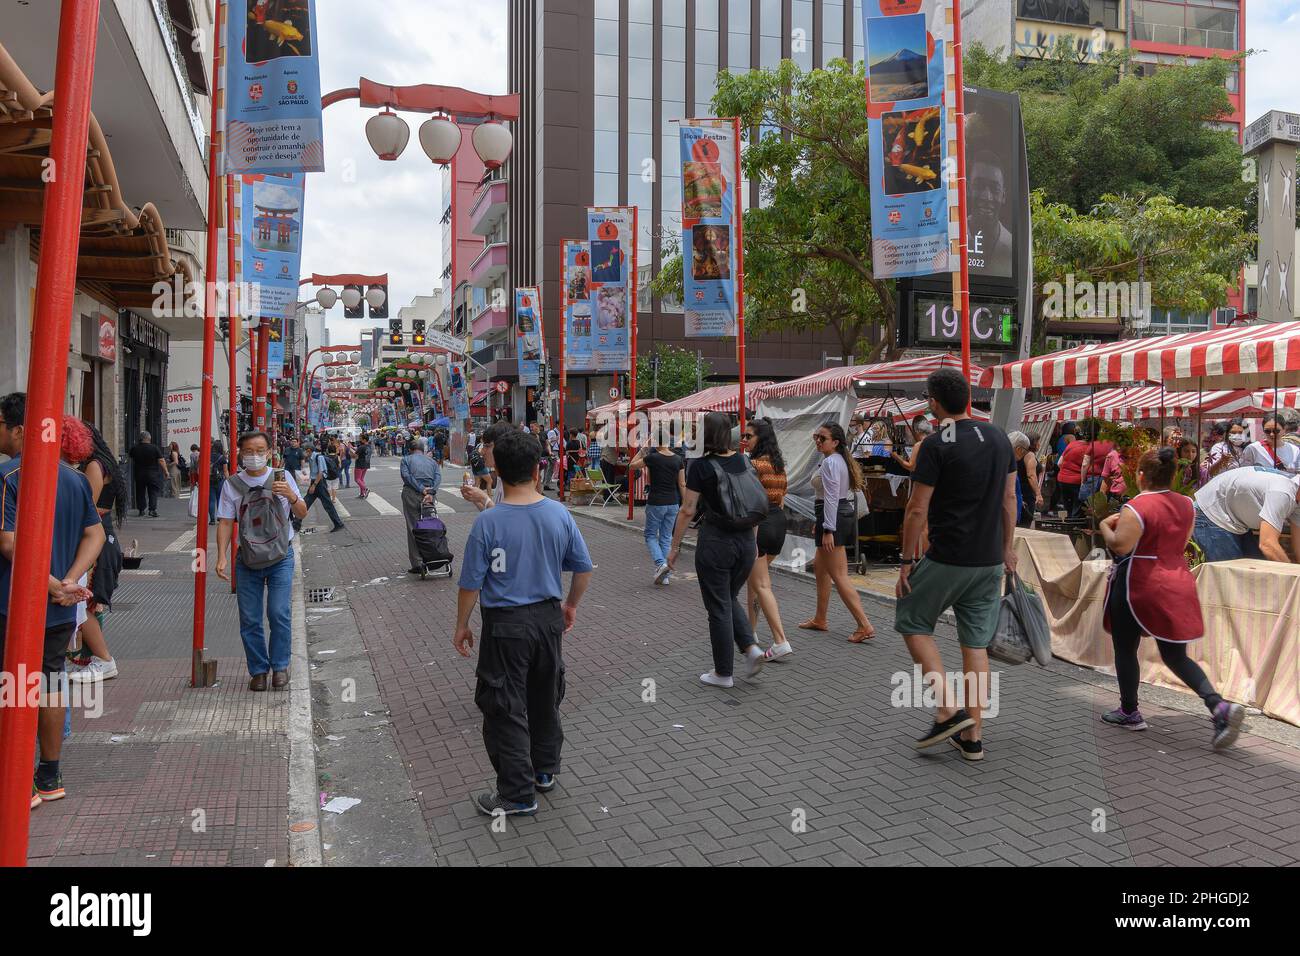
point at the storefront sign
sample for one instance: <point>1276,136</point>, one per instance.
<point>107,337</point>
<point>184,422</point>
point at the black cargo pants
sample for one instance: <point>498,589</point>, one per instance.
<point>520,686</point>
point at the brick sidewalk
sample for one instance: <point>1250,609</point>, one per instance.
<point>708,776</point>
<point>169,775</point>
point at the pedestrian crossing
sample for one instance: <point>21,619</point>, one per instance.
<point>375,505</point>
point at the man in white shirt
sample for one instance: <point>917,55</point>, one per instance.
<point>1240,502</point>
<point>1271,451</point>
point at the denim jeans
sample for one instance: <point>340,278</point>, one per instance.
<point>659,521</point>
<point>214,498</point>
<point>250,585</point>
<point>1220,545</point>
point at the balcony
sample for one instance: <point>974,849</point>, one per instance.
<point>490,204</point>
<point>490,264</point>
<point>487,320</point>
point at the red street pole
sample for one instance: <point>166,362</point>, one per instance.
<point>259,380</point>
<point>564,379</point>
<point>233,330</point>
<point>56,280</point>
<point>631,408</point>
<point>209,353</point>
<point>961,278</point>
<point>740,276</point>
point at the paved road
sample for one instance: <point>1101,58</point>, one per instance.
<point>810,763</point>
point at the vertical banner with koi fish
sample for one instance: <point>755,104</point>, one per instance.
<point>708,151</point>
<point>908,133</point>
<point>575,307</point>
<point>610,238</point>
<point>528,329</point>
<point>273,108</point>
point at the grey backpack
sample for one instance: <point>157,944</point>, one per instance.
<point>264,531</point>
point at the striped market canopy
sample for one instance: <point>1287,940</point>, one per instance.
<point>719,398</point>
<point>1282,398</point>
<point>1240,356</point>
<point>622,406</point>
<point>886,373</point>
<point>1146,402</point>
<point>901,411</point>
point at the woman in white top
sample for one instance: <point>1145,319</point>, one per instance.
<point>836,525</point>
<point>1226,454</point>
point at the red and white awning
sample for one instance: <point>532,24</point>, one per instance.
<point>1248,356</point>
<point>1282,398</point>
<point>885,373</point>
<point>622,406</point>
<point>1146,402</point>
<point>719,398</point>
<point>901,411</point>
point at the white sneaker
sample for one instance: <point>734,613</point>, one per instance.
<point>778,651</point>
<point>714,680</point>
<point>754,659</point>
<point>97,669</point>
<point>661,574</point>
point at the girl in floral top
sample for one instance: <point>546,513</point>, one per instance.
<point>759,442</point>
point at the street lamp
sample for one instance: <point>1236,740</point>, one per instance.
<point>388,134</point>
<point>351,298</point>
<point>326,298</point>
<point>375,297</point>
<point>440,139</point>
<point>493,142</point>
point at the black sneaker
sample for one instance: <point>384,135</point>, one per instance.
<point>942,730</point>
<point>1228,719</point>
<point>337,527</point>
<point>544,782</point>
<point>970,749</point>
<point>491,805</point>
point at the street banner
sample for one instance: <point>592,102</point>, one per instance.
<point>459,391</point>
<point>908,133</point>
<point>575,307</point>
<point>708,157</point>
<point>271,238</point>
<point>184,420</point>
<point>273,107</point>
<point>528,331</point>
<point>612,253</point>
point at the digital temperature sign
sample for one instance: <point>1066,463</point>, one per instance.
<point>933,322</point>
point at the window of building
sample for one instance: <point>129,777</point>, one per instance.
<point>832,32</point>
<point>1084,13</point>
<point>738,35</point>
<point>606,116</point>
<point>801,33</point>
<point>1174,321</point>
<point>605,188</point>
<point>1212,24</point>
<point>640,11</point>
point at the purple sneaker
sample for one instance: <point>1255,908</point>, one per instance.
<point>1132,721</point>
<point>1228,719</point>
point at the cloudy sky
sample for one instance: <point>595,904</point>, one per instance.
<point>364,215</point>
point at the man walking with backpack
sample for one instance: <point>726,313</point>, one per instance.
<point>319,489</point>
<point>262,499</point>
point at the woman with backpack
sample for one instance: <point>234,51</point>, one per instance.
<point>263,500</point>
<point>835,518</point>
<point>721,483</point>
<point>333,468</point>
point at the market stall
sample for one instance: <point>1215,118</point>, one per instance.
<point>616,430</point>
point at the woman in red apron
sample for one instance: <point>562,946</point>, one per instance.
<point>1151,592</point>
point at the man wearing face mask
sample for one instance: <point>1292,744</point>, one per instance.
<point>265,556</point>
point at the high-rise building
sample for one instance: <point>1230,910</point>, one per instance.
<point>602,95</point>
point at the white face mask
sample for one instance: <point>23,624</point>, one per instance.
<point>1237,439</point>
<point>254,462</point>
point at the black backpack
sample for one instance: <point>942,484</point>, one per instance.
<point>332,467</point>
<point>744,502</point>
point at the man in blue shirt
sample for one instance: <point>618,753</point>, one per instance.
<point>78,538</point>
<point>514,561</point>
<point>319,489</point>
<point>421,477</point>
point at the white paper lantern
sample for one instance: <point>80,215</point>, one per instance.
<point>355,356</point>
<point>351,298</point>
<point>388,134</point>
<point>375,297</point>
<point>326,298</point>
<point>493,142</point>
<point>440,138</point>
<point>327,356</point>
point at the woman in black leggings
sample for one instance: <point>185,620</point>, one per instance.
<point>1151,592</point>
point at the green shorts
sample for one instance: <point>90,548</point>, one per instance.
<point>974,594</point>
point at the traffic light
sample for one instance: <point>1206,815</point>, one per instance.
<point>417,330</point>
<point>380,311</point>
<point>394,331</point>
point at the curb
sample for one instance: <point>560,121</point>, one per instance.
<point>304,806</point>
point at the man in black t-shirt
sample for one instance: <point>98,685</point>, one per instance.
<point>667,482</point>
<point>965,479</point>
<point>150,471</point>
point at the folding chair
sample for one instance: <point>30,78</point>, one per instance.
<point>610,492</point>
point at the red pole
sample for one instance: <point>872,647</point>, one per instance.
<point>961,284</point>
<point>209,352</point>
<point>740,276</point>
<point>232,337</point>
<point>631,408</point>
<point>259,380</point>
<point>564,379</point>
<point>56,280</point>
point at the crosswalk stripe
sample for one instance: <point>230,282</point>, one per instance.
<point>380,505</point>
<point>343,512</point>
<point>184,541</point>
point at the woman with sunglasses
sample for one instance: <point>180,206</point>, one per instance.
<point>759,442</point>
<point>836,522</point>
<point>1269,452</point>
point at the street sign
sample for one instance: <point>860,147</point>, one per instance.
<point>613,392</point>
<point>503,387</point>
<point>444,341</point>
